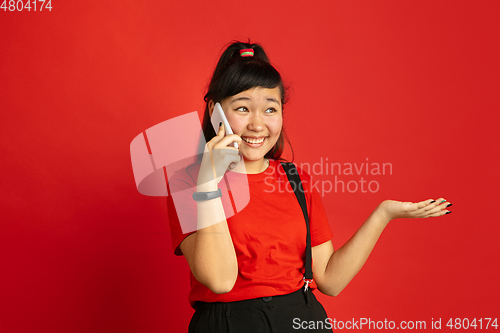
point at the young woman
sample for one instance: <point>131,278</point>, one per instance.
<point>247,271</point>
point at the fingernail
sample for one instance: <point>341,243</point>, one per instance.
<point>448,213</point>
<point>442,201</point>
<point>449,205</point>
<point>433,201</point>
<point>220,124</point>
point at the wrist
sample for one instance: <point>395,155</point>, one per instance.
<point>205,196</point>
<point>209,186</point>
<point>382,214</point>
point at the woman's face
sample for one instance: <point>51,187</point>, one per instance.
<point>256,116</point>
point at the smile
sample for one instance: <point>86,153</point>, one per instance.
<point>254,141</point>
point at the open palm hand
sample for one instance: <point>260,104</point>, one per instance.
<point>429,208</point>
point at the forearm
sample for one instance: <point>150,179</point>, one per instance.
<point>214,257</point>
<point>347,261</point>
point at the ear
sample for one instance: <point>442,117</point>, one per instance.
<point>211,106</point>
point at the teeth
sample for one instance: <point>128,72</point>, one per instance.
<point>253,141</point>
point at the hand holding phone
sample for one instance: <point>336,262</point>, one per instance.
<point>218,117</point>
<point>219,155</point>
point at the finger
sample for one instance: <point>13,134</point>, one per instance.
<point>232,158</point>
<point>218,137</point>
<point>445,204</point>
<point>426,203</point>
<point>433,204</point>
<point>439,209</point>
<point>227,140</point>
<point>425,207</point>
<point>225,157</point>
<point>232,165</point>
<point>440,213</point>
<point>419,208</point>
<point>236,161</point>
<point>228,151</point>
<point>422,204</point>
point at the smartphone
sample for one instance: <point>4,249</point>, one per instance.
<point>218,117</point>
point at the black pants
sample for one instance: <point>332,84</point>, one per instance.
<point>296,312</point>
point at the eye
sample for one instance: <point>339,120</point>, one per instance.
<point>242,109</point>
<point>271,110</point>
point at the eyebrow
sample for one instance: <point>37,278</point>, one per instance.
<point>273,100</point>
<point>240,99</point>
<point>270,99</point>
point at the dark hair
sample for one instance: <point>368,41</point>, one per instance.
<point>234,74</point>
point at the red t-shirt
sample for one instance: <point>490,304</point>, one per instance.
<point>269,236</point>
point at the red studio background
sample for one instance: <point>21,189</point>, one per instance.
<point>413,85</point>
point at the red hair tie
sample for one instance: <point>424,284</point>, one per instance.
<point>246,52</point>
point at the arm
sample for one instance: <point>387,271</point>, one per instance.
<point>209,251</point>
<point>333,270</point>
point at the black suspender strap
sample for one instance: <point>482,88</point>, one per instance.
<point>294,179</point>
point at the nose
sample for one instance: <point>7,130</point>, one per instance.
<point>256,122</point>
